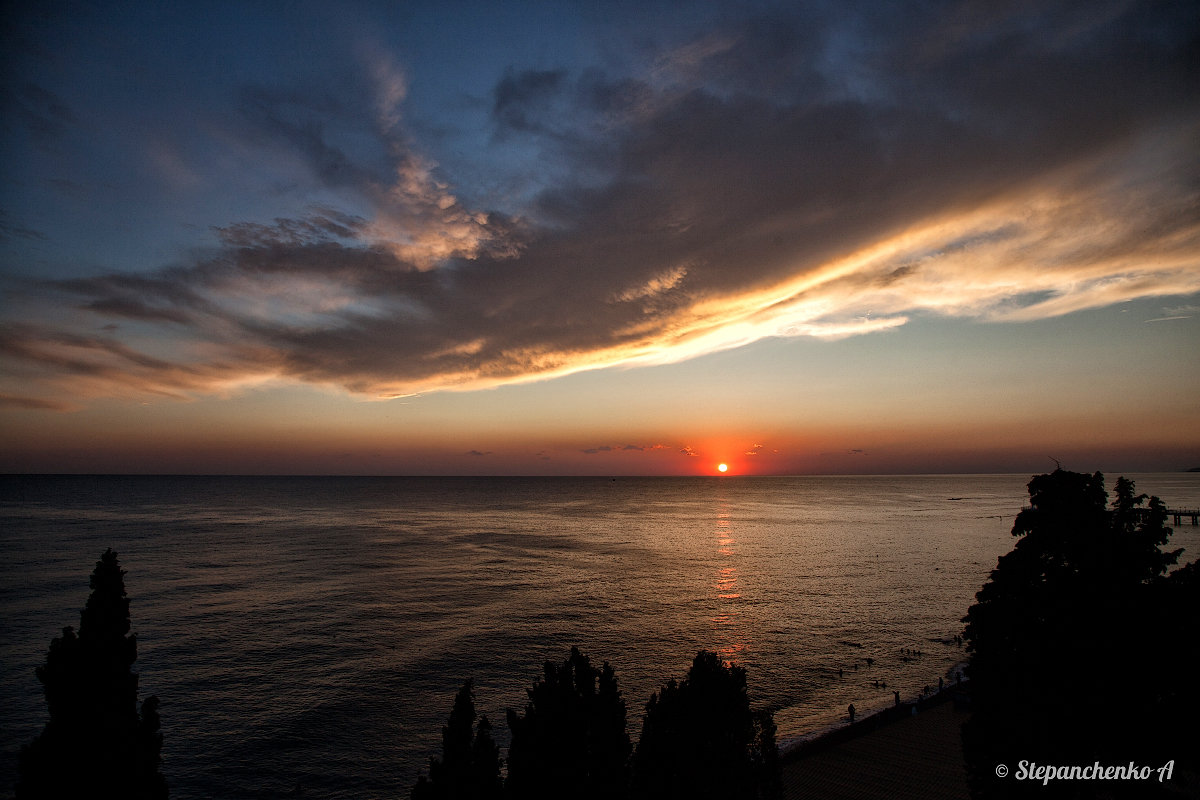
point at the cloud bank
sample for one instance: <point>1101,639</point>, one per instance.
<point>798,175</point>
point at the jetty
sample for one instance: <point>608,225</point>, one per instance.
<point>1177,514</point>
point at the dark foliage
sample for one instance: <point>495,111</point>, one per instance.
<point>469,768</point>
<point>700,738</point>
<point>571,740</point>
<point>95,744</point>
<point>1082,649</point>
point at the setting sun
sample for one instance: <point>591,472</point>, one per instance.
<point>722,467</point>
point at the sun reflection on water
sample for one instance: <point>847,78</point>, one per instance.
<point>730,634</point>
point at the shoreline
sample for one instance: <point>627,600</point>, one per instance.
<point>809,744</point>
<point>891,753</point>
<point>842,730</point>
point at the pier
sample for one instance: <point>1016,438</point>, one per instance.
<point>1177,514</point>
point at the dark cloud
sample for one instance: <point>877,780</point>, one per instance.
<point>312,230</point>
<point>35,403</point>
<point>8,232</point>
<point>167,296</point>
<point>776,176</point>
<point>45,115</point>
<point>131,308</point>
<point>523,101</point>
<point>300,120</point>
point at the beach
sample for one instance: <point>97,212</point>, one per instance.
<point>893,754</point>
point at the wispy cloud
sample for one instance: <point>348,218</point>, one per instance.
<point>629,448</point>
<point>1177,312</point>
<point>40,404</point>
<point>915,173</point>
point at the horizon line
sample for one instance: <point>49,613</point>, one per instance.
<point>607,476</point>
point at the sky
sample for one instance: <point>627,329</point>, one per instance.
<point>621,238</point>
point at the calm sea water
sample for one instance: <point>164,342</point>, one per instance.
<point>312,631</point>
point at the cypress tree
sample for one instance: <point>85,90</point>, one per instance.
<point>700,738</point>
<point>469,768</point>
<point>96,743</point>
<point>571,740</point>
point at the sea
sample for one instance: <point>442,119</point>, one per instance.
<point>306,636</point>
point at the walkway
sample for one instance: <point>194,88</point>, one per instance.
<point>914,758</point>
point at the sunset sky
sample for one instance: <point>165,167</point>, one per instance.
<point>600,238</point>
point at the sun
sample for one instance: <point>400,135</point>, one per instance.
<point>722,467</point>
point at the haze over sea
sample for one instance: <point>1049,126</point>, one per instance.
<point>312,631</point>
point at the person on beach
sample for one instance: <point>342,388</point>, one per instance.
<point>896,694</point>
<point>851,709</point>
<point>939,684</point>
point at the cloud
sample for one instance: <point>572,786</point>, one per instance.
<point>40,404</point>
<point>8,232</point>
<point>1186,310</point>
<point>634,448</point>
<point>46,115</point>
<point>478,453</point>
<point>1177,312</point>
<point>819,176</point>
<point>522,99</point>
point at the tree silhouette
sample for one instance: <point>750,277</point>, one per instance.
<point>1078,641</point>
<point>700,738</point>
<point>470,765</point>
<point>572,737</point>
<point>95,744</point>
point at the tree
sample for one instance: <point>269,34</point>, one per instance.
<point>572,737</point>
<point>701,739</point>
<point>96,743</point>
<point>470,765</point>
<point>1077,638</point>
